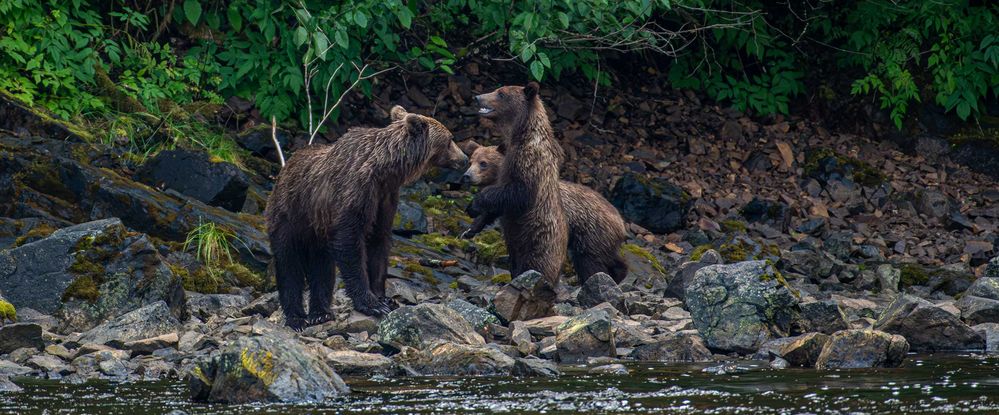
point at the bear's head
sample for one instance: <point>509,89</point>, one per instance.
<point>443,151</point>
<point>509,106</point>
<point>486,162</point>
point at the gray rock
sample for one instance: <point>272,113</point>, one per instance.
<point>823,317</point>
<point>990,332</point>
<point>684,346</point>
<point>204,306</point>
<point>980,303</point>
<point>803,350</point>
<point>740,306</point>
<point>16,336</point>
<point>7,386</point>
<point>601,288</point>
<point>677,286</point>
<point>422,325</point>
<point>477,316</point>
<point>815,265</point>
<point>149,321</point>
<point>926,327</point>
<point>453,359</point>
<point>888,278</point>
<point>8,368</point>
<point>126,271</point>
<point>851,349</point>
<point>534,367</point>
<point>49,364</point>
<point>521,338</point>
<point>933,203</point>
<point>589,334</point>
<point>194,174</point>
<point>611,369</point>
<point>272,367</point>
<point>526,297</point>
<point>263,306</point>
<point>992,269</point>
<point>410,219</point>
<point>152,344</point>
<point>654,204</point>
<point>352,363</point>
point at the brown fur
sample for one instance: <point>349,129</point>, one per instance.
<point>333,205</point>
<point>596,229</point>
<point>526,196</point>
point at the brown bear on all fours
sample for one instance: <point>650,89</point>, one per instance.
<point>332,208</point>
<point>526,196</point>
<point>596,229</point>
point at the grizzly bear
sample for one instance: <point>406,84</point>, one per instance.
<point>333,205</point>
<point>596,229</point>
<point>526,196</point>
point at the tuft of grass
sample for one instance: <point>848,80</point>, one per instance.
<point>212,243</point>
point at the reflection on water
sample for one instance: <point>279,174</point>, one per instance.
<point>926,384</point>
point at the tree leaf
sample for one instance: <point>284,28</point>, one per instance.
<point>301,36</point>
<point>341,38</point>
<point>192,9</point>
<point>537,70</point>
<point>361,19</point>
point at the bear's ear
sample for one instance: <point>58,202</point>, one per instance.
<point>531,90</point>
<point>416,126</point>
<point>469,147</point>
<point>397,113</point>
<point>501,148</point>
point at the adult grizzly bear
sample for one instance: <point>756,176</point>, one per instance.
<point>596,229</point>
<point>526,196</point>
<point>333,206</point>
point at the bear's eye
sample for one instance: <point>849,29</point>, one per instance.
<point>483,164</point>
<point>502,95</point>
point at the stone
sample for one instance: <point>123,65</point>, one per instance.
<point>740,306</point>
<point>520,337</point>
<point>888,278</point>
<point>352,363</point>
<point>18,335</point>
<point>272,367</point>
<point>87,273</point>
<point>990,332</point>
<point>611,369</point>
<point>195,174</point>
<point>854,349</point>
<point>677,286</point>
<point>932,203</point>
<point>205,306</point>
<point>684,346</point>
<point>992,268</point>
<point>6,386</point>
<point>534,367</point>
<point>654,204</point>
<point>260,142</point>
<point>926,327</point>
<point>526,297</point>
<point>823,317</point>
<point>143,323</point>
<point>815,265</point>
<point>152,344</point>
<point>422,325</point>
<point>601,288</point>
<point>477,316</point>
<point>60,351</point>
<point>410,219</point>
<point>545,326</point>
<point>8,368</point>
<point>589,334</point>
<point>49,364</point>
<point>453,359</point>
<point>980,302</point>
<point>263,306</point>
<point>804,350</point>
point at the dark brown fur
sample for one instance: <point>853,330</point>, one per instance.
<point>526,196</point>
<point>333,205</point>
<point>596,229</point>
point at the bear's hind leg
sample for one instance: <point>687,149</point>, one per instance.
<point>585,266</point>
<point>322,279</point>
<point>351,259</point>
<point>290,278</point>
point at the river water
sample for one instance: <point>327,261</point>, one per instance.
<point>925,384</point>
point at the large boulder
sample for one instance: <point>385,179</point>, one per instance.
<point>526,297</point>
<point>16,336</point>
<point>271,367</point>
<point>683,346</point>
<point>990,332</point>
<point>88,273</point>
<point>590,334</point>
<point>423,325</point>
<point>804,350</point>
<point>980,303</point>
<point>601,288</point>
<point>195,174</point>
<point>823,317</point>
<point>926,327</point>
<point>655,204</point>
<point>353,363</point>
<point>740,306</point>
<point>852,349</point>
<point>454,359</point>
<point>150,321</point>
<point>477,316</point>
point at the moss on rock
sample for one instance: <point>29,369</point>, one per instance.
<point>699,251</point>
<point>7,312</point>
<point>642,253</point>
<point>913,274</point>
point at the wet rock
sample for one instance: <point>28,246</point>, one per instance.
<point>529,296</point>
<point>534,367</point>
<point>804,350</point>
<point>823,317</point>
<point>352,363</point>
<point>18,335</point>
<point>87,273</point>
<point>477,316</point>
<point>422,325</point>
<point>453,359</point>
<point>521,338</point>
<point>990,332</point>
<point>611,369</point>
<point>49,364</point>
<point>8,368</point>
<point>654,204</point>
<point>926,327</point>
<point>266,368</point>
<point>7,386</point>
<point>194,174</point>
<point>740,306</point>
<point>684,346</point>
<point>152,344</point>
<point>980,303</point>
<point>778,363</point>
<point>601,288</point>
<point>204,306</point>
<point>146,322</point>
<point>852,349</point>
<point>589,334</point>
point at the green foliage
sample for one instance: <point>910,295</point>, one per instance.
<point>7,312</point>
<point>212,243</point>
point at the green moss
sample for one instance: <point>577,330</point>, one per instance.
<point>92,252</point>
<point>779,277</point>
<point>489,246</point>
<point>440,243</point>
<point>733,252</point>
<point>82,288</point>
<point>413,268</point>
<point>42,230</point>
<point>203,280</point>
<point>502,278</point>
<point>44,176</point>
<point>733,225</point>
<point>699,251</point>
<point>7,312</point>
<point>913,274</point>
<point>863,173</point>
<point>642,253</point>
<point>241,276</point>
<point>453,285</point>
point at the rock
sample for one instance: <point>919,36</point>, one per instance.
<point>815,265</point>
<point>260,141</point>
<point>601,288</point>
<point>534,367</point>
<point>453,359</point>
<point>992,269</point>
<point>926,327</point>
<point>204,306</point>
<point>60,351</point>
<point>684,346</point>
<point>352,363</point>
<point>888,278</point>
<point>410,219</point>
<point>804,350</point>
<point>980,303</point>
<point>49,364</point>
<point>589,334</point>
<point>263,306</point>
<point>7,386</point>
<point>852,349</point>
<point>8,368</point>
<point>477,316</point>
<point>990,332</point>
<point>779,363</point>
<point>611,369</point>
<point>654,204</point>
<point>520,337</point>
<point>272,367</point>
<point>194,174</point>
<point>87,273</point>
<point>422,325</point>
<point>529,296</point>
<point>932,203</point>
<point>18,335</point>
<point>152,344</point>
<point>740,306</point>
<point>823,317</point>
<point>149,321</point>
<point>544,327</point>
<point>677,286</point>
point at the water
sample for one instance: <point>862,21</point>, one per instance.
<point>925,384</point>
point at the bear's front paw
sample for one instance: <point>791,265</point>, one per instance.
<point>296,323</point>
<point>371,305</point>
<point>320,318</point>
<point>474,209</point>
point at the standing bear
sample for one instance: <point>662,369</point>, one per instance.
<point>333,206</point>
<point>526,196</point>
<point>596,229</point>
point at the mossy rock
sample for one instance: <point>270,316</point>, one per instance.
<point>824,161</point>
<point>912,275</point>
<point>699,251</point>
<point>646,255</point>
<point>42,230</point>
<point>7,312</point>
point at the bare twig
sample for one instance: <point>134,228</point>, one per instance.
<point>329,109</point>
<point>277,144</point>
